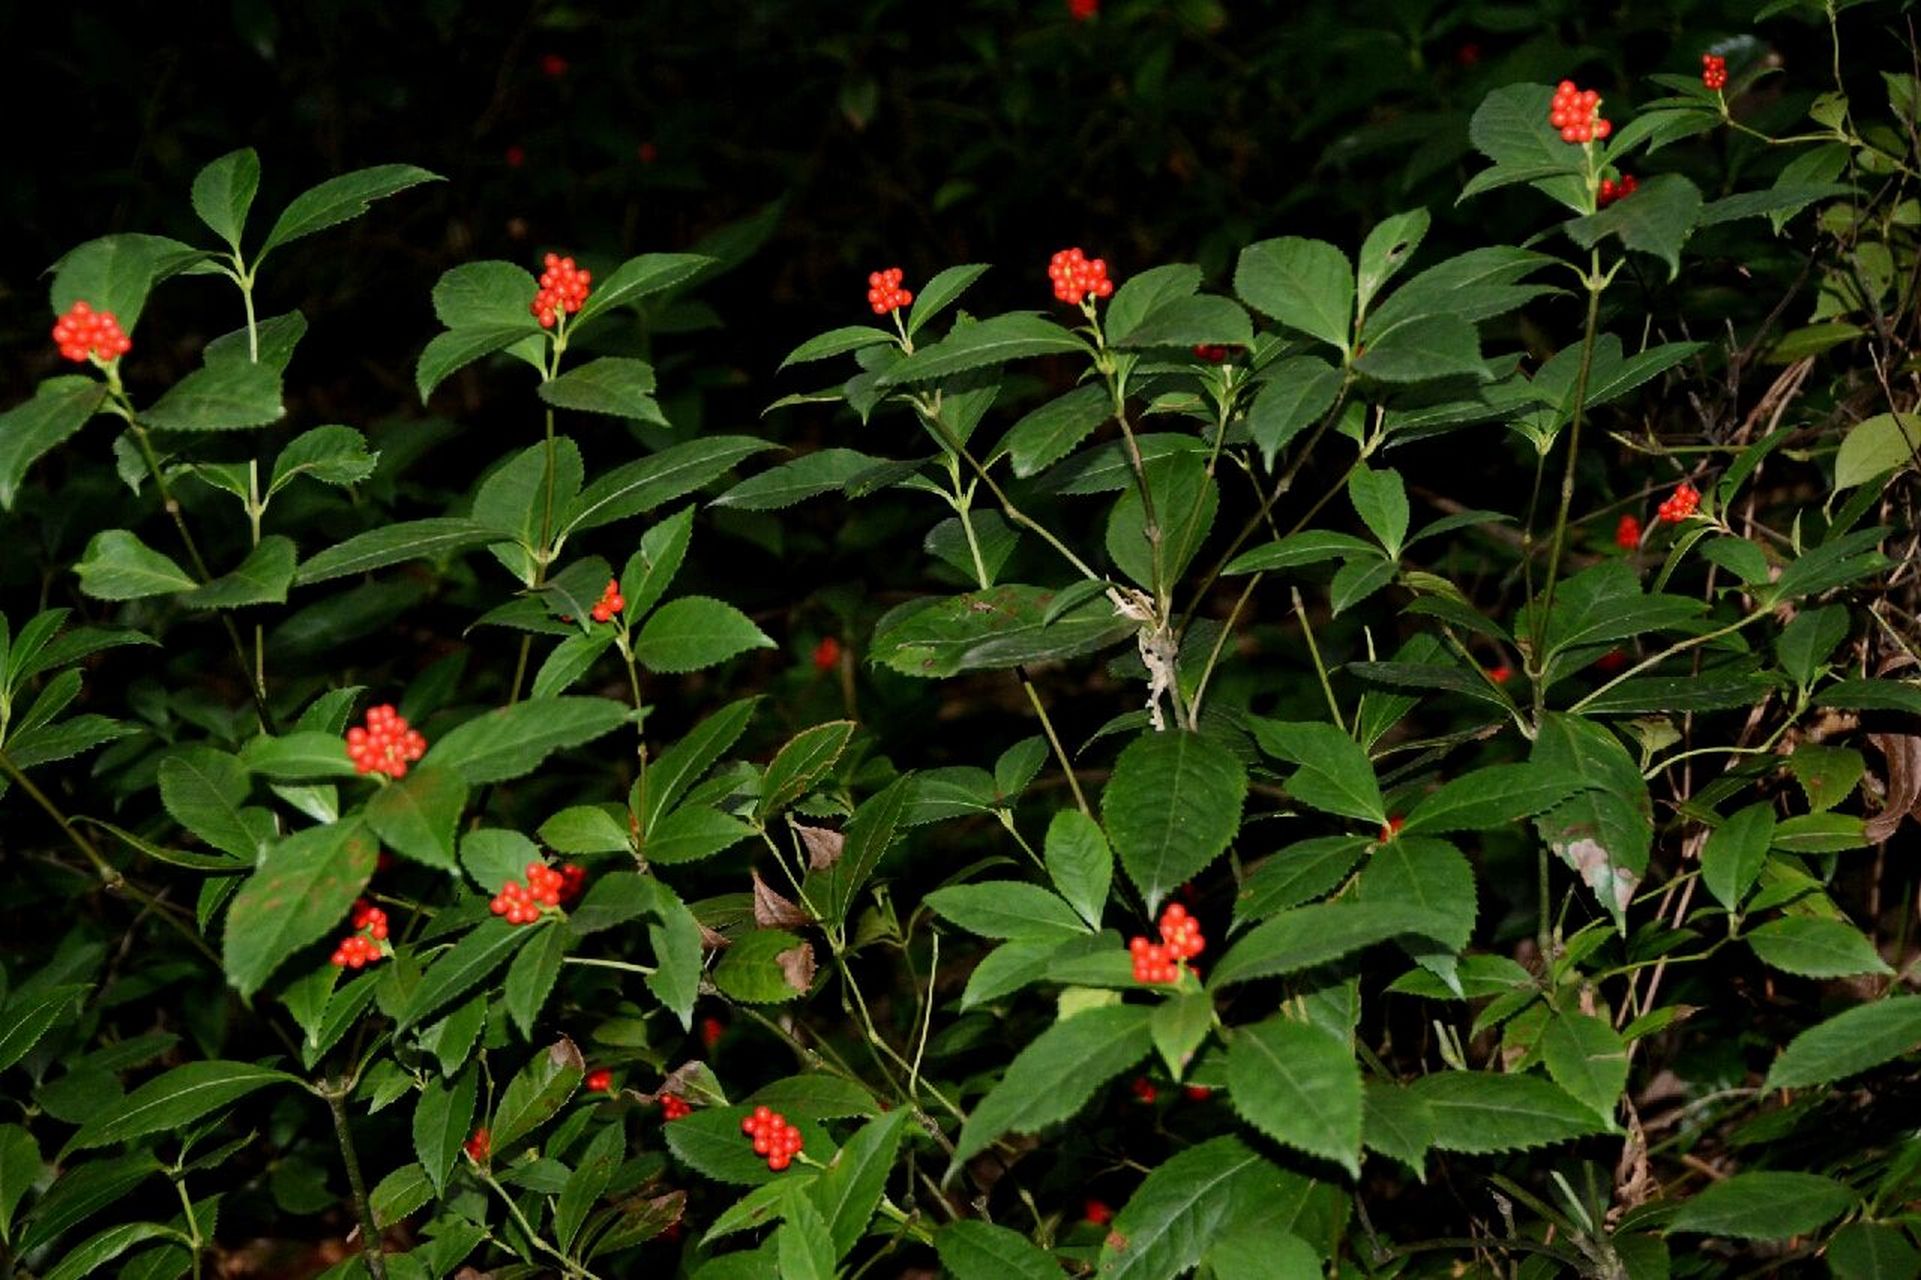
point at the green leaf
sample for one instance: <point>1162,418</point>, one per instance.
<point>639,278</point>
<point>262,578</point>
<point>1735,853</point>
<point>1479,1112</point>
<point>114,273</point>
<point>1189,322</point>
<point>1511,128</point>
<point>416,816</point>
<point>1828,775</point>
<point>803,1245</point>
<point>1815,948</point>
<point>1296,874</point>
<point>751,971</point>
<point>1051,431</point>
<point>296,756</point>
<point>941,292</point>
<point>836,342</point>
<point>1603,833</point>
<point>1386,250</point>
<point>339,199</point>
<point>1296,392</point>
<point>93,1253</point>
<point>1007,909</point>
<point>486,295</point>
<point>1396,1123</point>
<point>1849,1043</point>
<point>639,486</point>
<point>1306,285</point>
<point>615,385</point>
<point>585,828</point>
<point>541,1088</point>
<point>694,633</point>
<point>118,566</point>
<point>1872,1251</point>
<point>223,192</point>
<point>1171,806</point>
<point>399,1194</point>
<point>59,408</point>
<point>443,1118</point>
<point>1183,1206</point>
<point>1431,876</point>
<point>1307,936</point>
<point>1300,1086</point>
<point>982,344</point>
<point>808,476</point>
<point>1380,499</point>
<point>710,1142</point>
<point>992,629</point>
<point>1489,798</point>
<point>1079,863</point>
<point>1180,1024</point>
<point>1821,833</point>
<point>1310,547</point>
<point>457,969</point>
<point>1766,1205</point>
<point>392,544</point>
<point>1658,220</point>
<point>530,978</point>
<point>1871,695</point>
<point>868,834</point>
<point>678,767</point>
<point>1335,774</point>
<point>450,352</point>
<point>28,1016</point>
<point>1424,348</point>
<point>271,342</point>
<point>62,741</point>
<point>175,1100</point>
<point>222,396</point>
<point>589,1180</point>
<point>803,761</point>
<point>1587,1058</point>
<point>304,888</point>
<point>976,1250</point>
<point>511,742</point>
<point>20,1168</point>
<point>1054,1076</point>
<point>817,1096</point>
<point>1185,500</point>
<point>849,1189</point>
<point>1875,446</point>
<point>205,792</point>
<point>675,940</point>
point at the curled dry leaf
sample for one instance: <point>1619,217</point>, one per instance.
<point>823,846</point>
<point>771,911</point>
<point>1903,754</point>
<point>797,966</point>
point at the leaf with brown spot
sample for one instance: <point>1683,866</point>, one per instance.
<point>797,966</point>
<point>823,846</point>
<point>771,911</point>
<point>1903,753</point>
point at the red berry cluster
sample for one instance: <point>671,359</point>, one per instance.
<point>1610,190</point>
<point>1501,674</point>
<point>83,332</point>
<point>356,951</point>
<point>1627,534</point>
<point>1681,504</point>
<point>386,744</point>
<point>1714,71</point>
<point>1143,1090</point>
<point>773,1137</point>
<point>553,65</point>
<point>711,1030</point>
<point>1180,940</point>
<point>1198,1092</point>
<point>1214,353</point>
<point>884,293</point>
<point>1577,114</point>
<point>1097,1212</point>
<point>1075,276</point>
<point>521,903</point>
<point>599,1080</point>
<point>1082,10</point>
<point>479,1147</point>
<point>673,1107</point>
<point>563,287</point>
<point>827,654</point>
<point>573,878</point>
<point>611,602</point>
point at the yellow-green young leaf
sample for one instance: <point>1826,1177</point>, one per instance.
<point>1876,446</point>
<point>590,1178</point>
<point>1735,852</point>
<point>1184,1205</point>
<point>1306,285</point>
<point>1587,1058</point>
<point>541,1088</point>
<point>695,632</point>
<point>339,199</point>
<point>530,978</point>
<point>1849,1043</point>
<point>1766,1205</point>
<point>1815,948</point>
<point>303,889</point>
<point>1300,1086</point>
<point>118,566</point>
<point>711,1143</point>
<point>225,395</point>
<point>765,966</point>
<point>175,1100</point>
<point>59,408</point>
<point>1053,1078</point>
<point>1170,807</point>
<point>443,1117</point>
<point>1335,774</point>
<point>802,762</point>
<point>457,969</point>
<point>416,816</point>
<point>849,1190</point>
<point>1007,909</point>
<point>512,741</point>
<point>982,343</point>
<point>1479,1112</point>
<point>976,1250</point>
<point>97,1250</point>
<point>27,1016</point>
<point>399,1194</point>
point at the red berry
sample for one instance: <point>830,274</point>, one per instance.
<point>84,333</point>
<point>884,293</point>
<point>573,878</point>
<point>1627,534</point>
<point>479,1147</point>
<point>1576,114</point>
<point>611,603</point>
<point>563,287</point>
<point>553,66</point>
<point>1501,674</point>
<point>1143,1089</point>
<point>673,1107</point>
<point>1612,660</point>
<point>1198,1092</point>
<point>1681,504</point>
<point>647,153</point>
<point>1714,71</point>
<point>773,1137</point>
<point>1077,276</point>
<point>599,1080</point>
<point>385,744</point>
<point>1082,10</point>
<point>1097,1212</point>
<point>1393,827</point>
<point>515,156</point>
<point>711,1030</point>
<point>827,654</point>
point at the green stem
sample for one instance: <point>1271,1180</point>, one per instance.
<point>1053,740</point>
<point>371,1245</point>
<point>572,1268</point>
<point>1692,642</point>
<point>1320,668</point>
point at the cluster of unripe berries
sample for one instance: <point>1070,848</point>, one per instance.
<point>545,887</point>
<point>1181,940</point>
<point>884,293</point>
<point>1714,71</point>
<point>773,1137</point>
<point>611,602</point>
<point>1681,504</point>
<point>1610,190</point>
<point>563,287</point>
<point>1075,276</point>
<point>386,744</point>
<point>83,332</point>
<point>1577,114</point>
